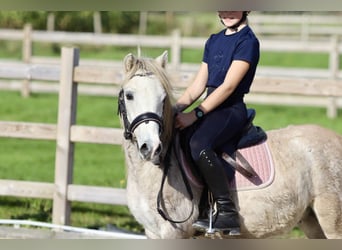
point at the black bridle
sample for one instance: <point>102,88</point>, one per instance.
<point>142,118</point>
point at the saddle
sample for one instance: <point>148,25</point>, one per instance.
<point>251,135</point>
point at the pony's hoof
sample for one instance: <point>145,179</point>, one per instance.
<point>213,235</point>
<point>232,232</point>
<point>224,233</point>
<point>218,233</point>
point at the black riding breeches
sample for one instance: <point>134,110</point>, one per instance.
<point>219,130</point>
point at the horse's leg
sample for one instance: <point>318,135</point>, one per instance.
<point>328,210</point>
<point>310,226</point>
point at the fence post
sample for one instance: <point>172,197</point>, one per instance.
<point>97,22</point>
<point>334,62</point>
<point>305,27</point>
<point>50,24</point>
<point>143,22</point>
<point>64,147</point>
<point>27,53</point>
<point>176,49</point>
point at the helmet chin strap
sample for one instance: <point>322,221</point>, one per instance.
<point>236,26</point>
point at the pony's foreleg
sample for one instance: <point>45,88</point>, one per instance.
<point>310,226</point>
<point>328,210</point>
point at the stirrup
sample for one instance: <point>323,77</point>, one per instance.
<point>210,230</point>
<point>220,233</point>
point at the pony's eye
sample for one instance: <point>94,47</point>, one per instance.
<point>129,96</point>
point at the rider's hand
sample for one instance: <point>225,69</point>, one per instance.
<point>183,120</point>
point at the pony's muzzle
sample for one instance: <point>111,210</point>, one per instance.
<point>150,152</point>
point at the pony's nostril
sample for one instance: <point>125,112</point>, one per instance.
<point>158,150</point>
<point>144,150</point>
<point>147,152</point>
<point>155,154</point>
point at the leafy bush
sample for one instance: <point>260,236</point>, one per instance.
<point>80,21</point>
<point>17,19</point>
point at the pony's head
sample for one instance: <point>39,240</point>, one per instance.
<point>145,105</point>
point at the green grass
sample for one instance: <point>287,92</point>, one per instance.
<point>273,117</point>
<point>295,59</point>
<point>12,50</point>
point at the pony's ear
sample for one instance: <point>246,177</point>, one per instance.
<point>129,61</point>
<point>162,59</point>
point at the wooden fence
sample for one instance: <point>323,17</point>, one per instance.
<point>305,26</point>
<point>331,46</point>
<point>66,133</point>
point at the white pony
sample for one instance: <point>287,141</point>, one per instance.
<point>306,191</point>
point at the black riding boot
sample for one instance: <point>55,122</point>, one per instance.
<point>227,217</point>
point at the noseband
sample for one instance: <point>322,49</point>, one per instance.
<point>142,118</point>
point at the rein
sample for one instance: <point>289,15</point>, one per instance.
<point>160,193</point>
